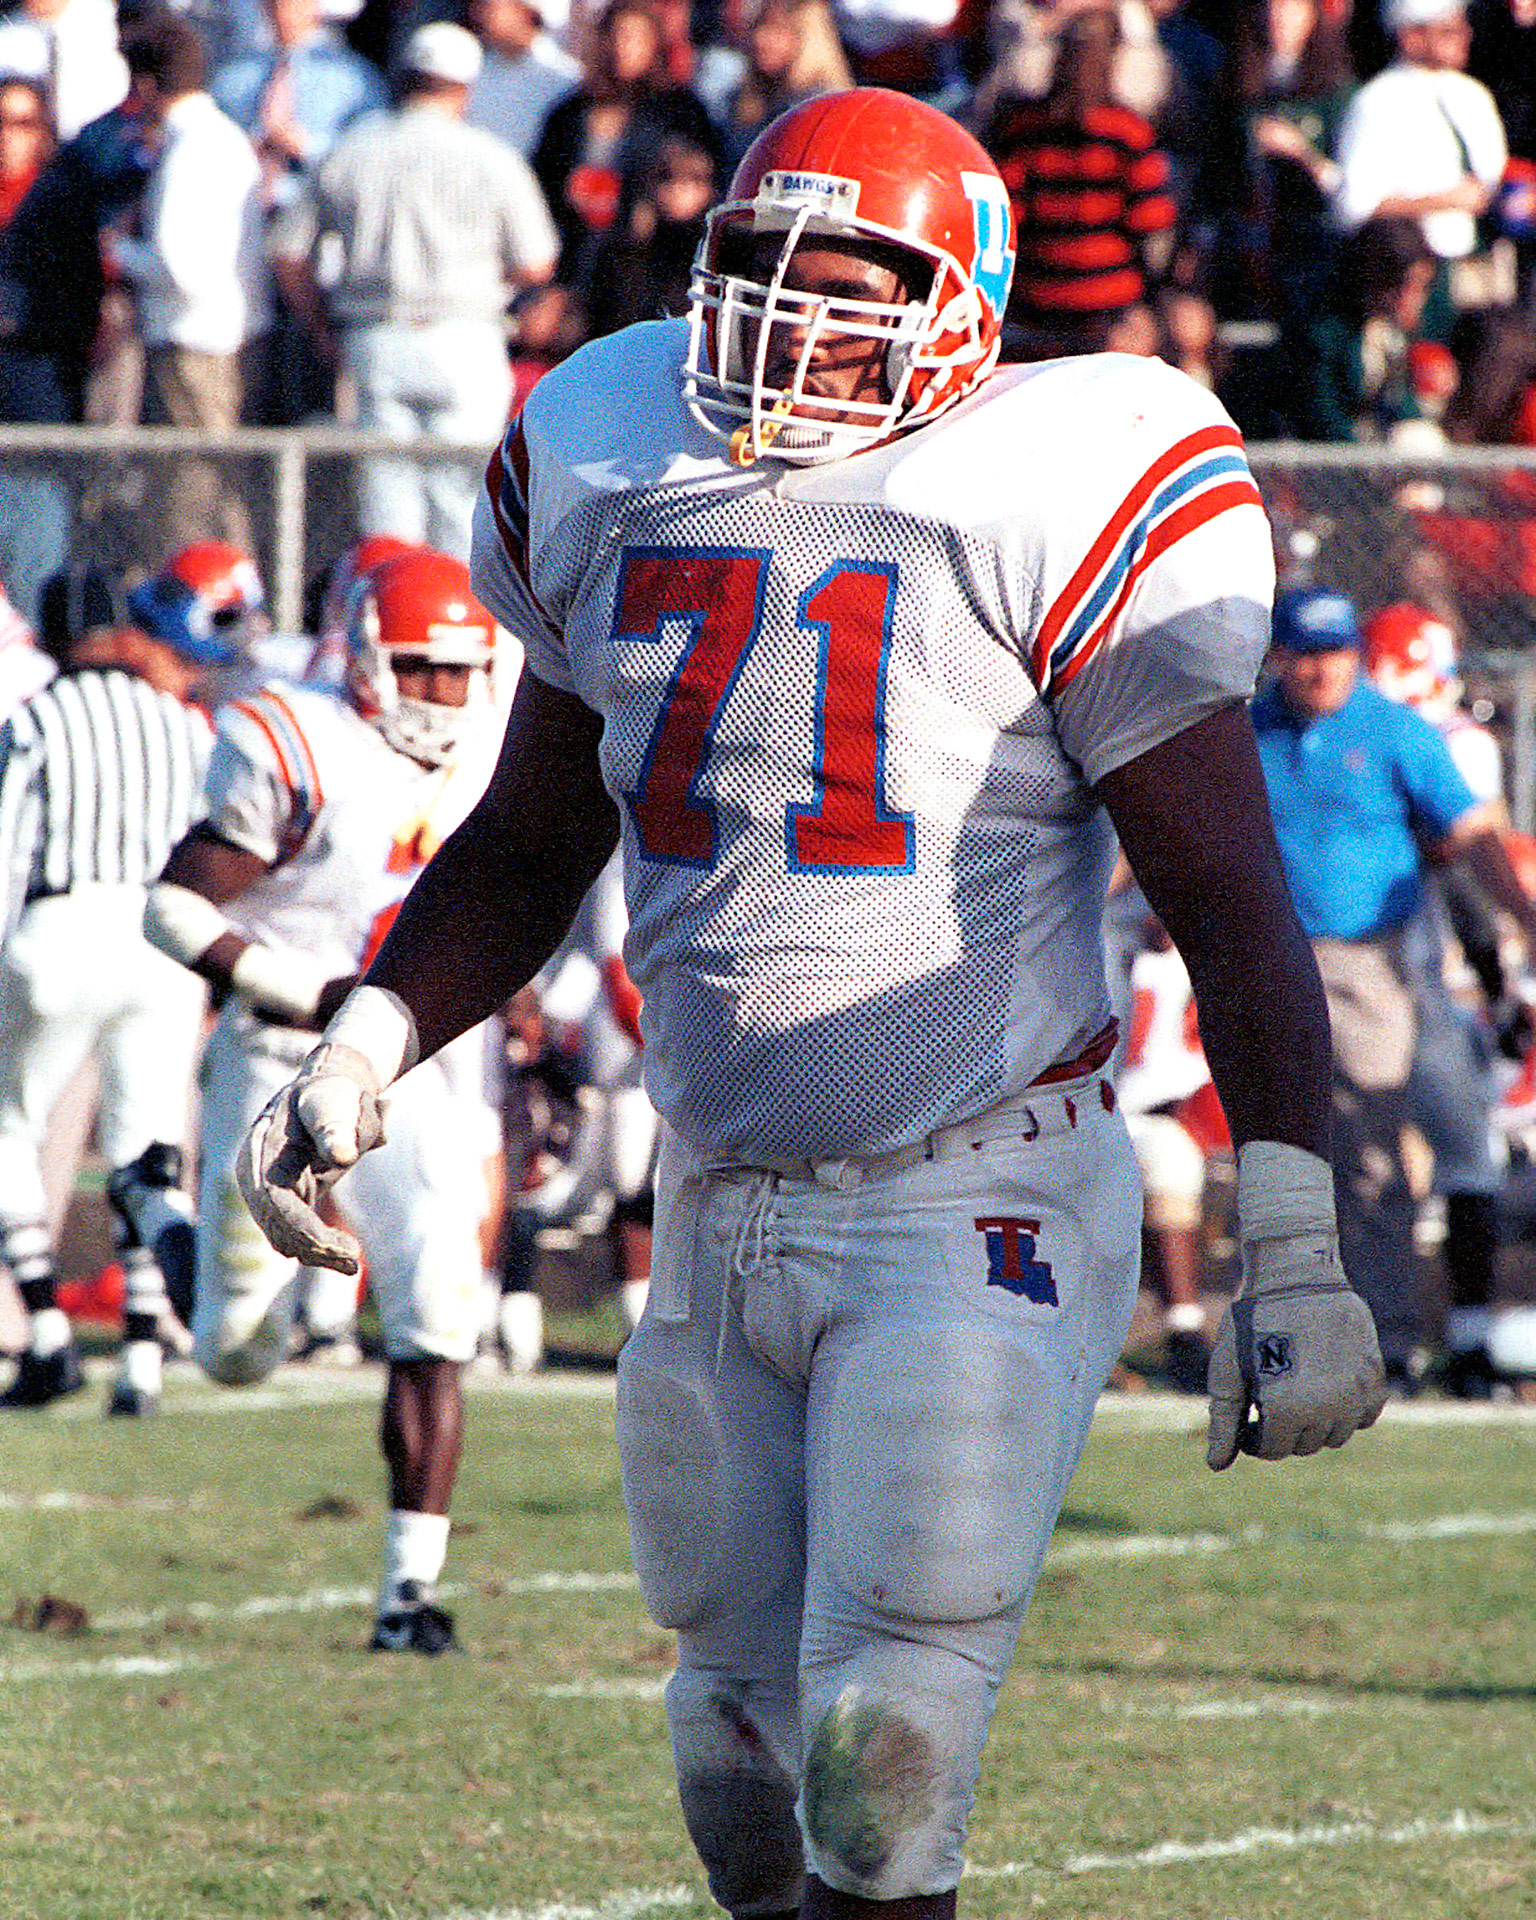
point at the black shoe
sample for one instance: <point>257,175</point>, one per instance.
<point>130,1402</point>
<point>1468,1374</point>
<point>1404,1380</point>
<point>1187,1360</point>
<point>415,1625</point>
<point>44,1378</point>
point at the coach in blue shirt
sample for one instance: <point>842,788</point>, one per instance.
<point>1362,791</point>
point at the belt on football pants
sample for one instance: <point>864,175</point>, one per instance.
<point>1049,1105</point>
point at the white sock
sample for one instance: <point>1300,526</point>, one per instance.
<point>415,1547</point>
<point>330,1302</point>
<point>490,1303</point>
<point>522,1330</point>
<point>49,1332</point>
<point>142,1366</point>
<point>1185,1316</point>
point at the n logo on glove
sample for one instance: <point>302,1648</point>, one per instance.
<point>1274,1354</point>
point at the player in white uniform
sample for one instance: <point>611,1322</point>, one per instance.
<point>320,813</point>
<point>863,645</point>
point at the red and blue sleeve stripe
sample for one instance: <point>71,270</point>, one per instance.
<point>278,725</point>
<point>1199,477</point>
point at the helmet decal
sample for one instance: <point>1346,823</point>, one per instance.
<point>992,262</point>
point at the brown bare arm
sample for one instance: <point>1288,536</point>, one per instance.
<point>1193,818</point>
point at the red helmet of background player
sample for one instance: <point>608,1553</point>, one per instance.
<point>207,601</point>
<point>1411,656</point>
<point>418,605</point>
<point>864,164</point>
<point>328,661</point>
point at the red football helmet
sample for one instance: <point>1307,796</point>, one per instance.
<point>419,605</point>
<point>328,661</point>
<point>864,164</point>
<point>1411,656</point>
<point>207,601</point>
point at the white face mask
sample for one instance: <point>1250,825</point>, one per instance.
<point>424,730</point>
<point>739,326</point>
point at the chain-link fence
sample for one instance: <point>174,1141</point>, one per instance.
<point>126,497</point>
<point>1458,529</point>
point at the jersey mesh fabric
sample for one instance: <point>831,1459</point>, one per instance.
<point>842,1010</point>
<point>1060,531</point>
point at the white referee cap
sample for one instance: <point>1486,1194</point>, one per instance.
<point>1398,14</point>
<point>442,51</point>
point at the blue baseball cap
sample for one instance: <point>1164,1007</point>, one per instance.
<point>1315,620</point>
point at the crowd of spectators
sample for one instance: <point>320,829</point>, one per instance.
<point>272,211</point>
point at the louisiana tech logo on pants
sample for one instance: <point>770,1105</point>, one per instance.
<point>1011,1259</point>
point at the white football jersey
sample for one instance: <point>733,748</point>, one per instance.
<point>344,822</point>
<point>1164,1060</point>
<point>1478,756</point>
<point>853,715</point>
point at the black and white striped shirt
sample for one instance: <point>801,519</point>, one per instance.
<point>100,776</point>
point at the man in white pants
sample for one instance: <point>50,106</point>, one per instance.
<point>861,647</point>
<point>434,225</point>
<point>320,812</point>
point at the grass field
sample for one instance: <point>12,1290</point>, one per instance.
<point>1307,1691</point>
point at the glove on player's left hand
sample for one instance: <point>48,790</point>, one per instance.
<point>1296,1365</point>
<point>302,1142</point>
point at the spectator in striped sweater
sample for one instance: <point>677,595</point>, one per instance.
<point>1090,196</point>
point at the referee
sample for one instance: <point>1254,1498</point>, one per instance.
<point>100,776</point>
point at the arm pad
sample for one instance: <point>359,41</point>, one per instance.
<point>279,983</point>
<point>182,923</point>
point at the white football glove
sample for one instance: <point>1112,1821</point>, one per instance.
<point>322,1123</point>
<point>302,1142</point>
<point>1296,1365</point>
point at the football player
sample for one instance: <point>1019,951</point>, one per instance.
<point>866,647</point>
<point>1411,656</point>
<point>319,815</point>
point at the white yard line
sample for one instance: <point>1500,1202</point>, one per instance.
<point>1343,1833</point>
<point>124,1667</point>
<point>295,1386</point>
<point>651,1689</point>
<point>1232,1709</point>
<point>333,1599</point>
<point>61,1500</point>
<point>631,1902</point>
<point>625,1905</point>
<point>1450,1526</point>
<point>1146,1546</point>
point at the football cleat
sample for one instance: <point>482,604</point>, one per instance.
<point>42,1378</point>
<point>154,1212</point>
<point>131,1402</point>
<point>414,1625</point>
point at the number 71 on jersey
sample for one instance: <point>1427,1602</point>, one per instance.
<point>719,594</point>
